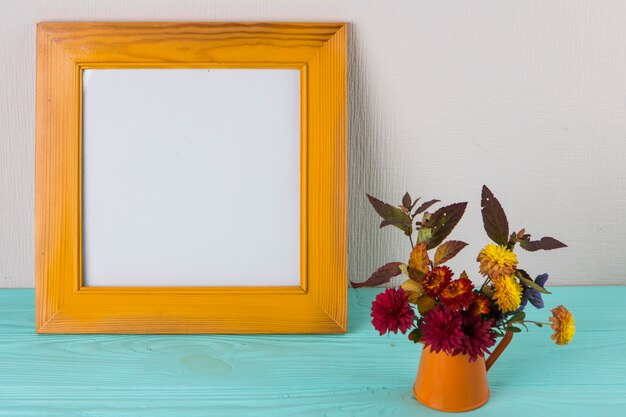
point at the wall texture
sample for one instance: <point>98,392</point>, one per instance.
<point>528,97</point>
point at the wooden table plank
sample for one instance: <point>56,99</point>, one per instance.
<point>353,374</point>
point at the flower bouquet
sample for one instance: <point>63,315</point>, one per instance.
<point>456,321</point>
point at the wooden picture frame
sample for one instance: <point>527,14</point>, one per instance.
<point>318,304</point>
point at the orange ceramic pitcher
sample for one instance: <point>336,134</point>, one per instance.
<point>453,383</point>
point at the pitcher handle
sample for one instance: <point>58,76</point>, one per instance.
<point>499,349</point>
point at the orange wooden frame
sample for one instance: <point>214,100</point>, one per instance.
<point>318,305</point>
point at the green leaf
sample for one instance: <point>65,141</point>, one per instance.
<point>494,219</point>
<point>392,215</point>
<point>415,335</point>
<point>498,332</point>
<point>538,324</point>
<point>527,280</point>
<point>425,206</point>
<point>443,221</point>
<point>424,235</point>
<point>382,275</point>
<point>519,316</point>
<point>448,250</point>
<point>513,329</point>
<point>545,243</point>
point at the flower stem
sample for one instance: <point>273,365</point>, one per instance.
<point>484,283</point>
<point>537,322</point>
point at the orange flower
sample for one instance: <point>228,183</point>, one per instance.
<point>480,306</point>
<point>436,280</point>
<point>563,325</point>
<point>458,294</point>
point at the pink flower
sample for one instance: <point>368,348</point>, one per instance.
<point>477,336</point>
<point>391,312</point>
<point>441,330</point>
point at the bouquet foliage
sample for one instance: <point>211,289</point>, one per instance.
<point>448,313</point>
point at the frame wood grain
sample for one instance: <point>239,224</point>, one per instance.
<point>318,305</point>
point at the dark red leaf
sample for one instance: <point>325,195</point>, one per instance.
<point>406,200</point>
<point>545,243</point>
<point>382,275</point>
<point>448,250</point>
<point>425,206</point>
<point>494,219</point>
<point>443,221</point>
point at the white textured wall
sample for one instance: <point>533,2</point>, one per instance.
<point>526,96</point>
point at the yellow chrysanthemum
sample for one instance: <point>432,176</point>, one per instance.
<point>563,325</point>
<point>496,261</point>
<point>507,293</point>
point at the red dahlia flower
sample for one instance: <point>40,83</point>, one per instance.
<point>436,280</point>
<point>477,336</point>
<point>441,330</point>
<point>479,306</point>
<point>391,312</point>
<point>458,294</point>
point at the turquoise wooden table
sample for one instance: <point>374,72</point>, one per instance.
<point>354,374</point>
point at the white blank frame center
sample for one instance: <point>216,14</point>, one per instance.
<point>191,177</point>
